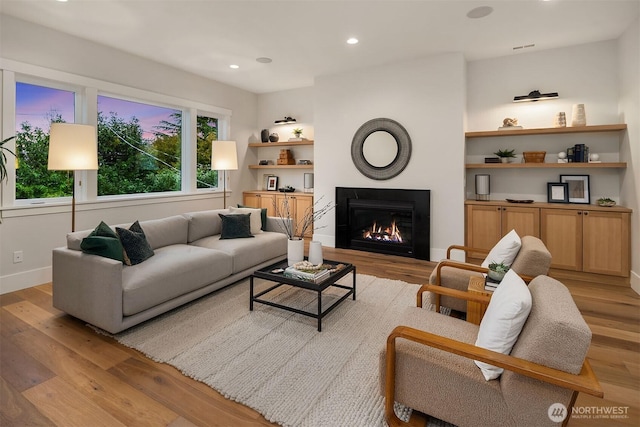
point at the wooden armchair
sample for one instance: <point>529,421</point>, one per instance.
<point>428,364</point>
<point>533,259</point>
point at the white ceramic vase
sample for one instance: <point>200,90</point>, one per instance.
<point>579,118</point>
<point>315,253</point>
<point>295,251</point>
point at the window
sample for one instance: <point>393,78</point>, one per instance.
<point>36,108</point>
<point>139,147</point>
<point>207,131</point>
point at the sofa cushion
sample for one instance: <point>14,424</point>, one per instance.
<point>103,241</point>
<point>505,251</point>
<point>247,253</point>
<point>263,216</point>
<point>237,226</point>
<point>174,270</point>
<point>167,231</point>
<point>502,322</point>
<point>204,223</point>
<point>134,242</point>
<point>255,217</point>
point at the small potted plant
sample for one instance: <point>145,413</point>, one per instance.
<point>297,132</point>
<point>497,270</point>
<point>505,155</point>
<point>606,201</point>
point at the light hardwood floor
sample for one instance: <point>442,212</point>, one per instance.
<point>56,371</point>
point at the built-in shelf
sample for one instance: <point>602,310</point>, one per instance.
<point>547,131</point>
<point>614,165</point>
<point>281,144</point>
<point>280,166</point>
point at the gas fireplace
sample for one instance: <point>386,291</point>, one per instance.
<point>392,221</point>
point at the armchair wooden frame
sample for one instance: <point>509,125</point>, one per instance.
<point>585,382</point>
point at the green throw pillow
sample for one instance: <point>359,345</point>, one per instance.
<point>135,244</point>
<point>237,226</point>
<point>263,216</point>
<point>103,241</point>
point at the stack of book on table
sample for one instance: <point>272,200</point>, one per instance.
<point>490,284</point>
<point>316,276</point>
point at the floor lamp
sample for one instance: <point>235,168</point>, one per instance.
<point>224,157</point>
<point>73,147</point>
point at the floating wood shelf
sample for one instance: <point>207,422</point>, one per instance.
<point>281,143</point>
<point>547,131</point>
<point>280,166</point>
<point>615,165</point>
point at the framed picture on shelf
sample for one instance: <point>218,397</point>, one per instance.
<point>557,192</point>
<point>272,183</point>
<point>578,188</point>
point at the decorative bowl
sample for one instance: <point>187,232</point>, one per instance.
<point>606,204</point>
<point>496,275</point>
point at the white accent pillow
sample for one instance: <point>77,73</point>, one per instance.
<point>505,251</point>
<point>254,217</point>
<point>503,321</point>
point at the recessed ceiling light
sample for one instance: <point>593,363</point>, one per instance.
<point>352,40</point>
<point>479,12</point>
<point>234,66</point>
<point>264,60</point>
<point>62,1</point>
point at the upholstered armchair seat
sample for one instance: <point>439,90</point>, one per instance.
<point>533,259</point>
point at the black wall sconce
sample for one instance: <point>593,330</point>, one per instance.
<point>536,96</point>
<point>287,120</point>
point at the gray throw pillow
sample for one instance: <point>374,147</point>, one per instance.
<point>237,226</point>
<point>135,244</point>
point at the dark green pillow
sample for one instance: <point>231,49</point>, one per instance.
<point>135,244</point>
<point>263,216</point>
<point>236,226</point>
<point>103,241</point>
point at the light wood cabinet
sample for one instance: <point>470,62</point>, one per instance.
<point>299,203</point>
<point>582,238</point>
<point>487,223</point>
<point>588,240</point>
<point>260,199</point>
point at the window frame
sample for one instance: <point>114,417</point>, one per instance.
<point>86,112</point>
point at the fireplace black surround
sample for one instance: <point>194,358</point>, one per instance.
<point>384,220</point>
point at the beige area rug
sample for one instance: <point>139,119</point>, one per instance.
<point>277,362</point>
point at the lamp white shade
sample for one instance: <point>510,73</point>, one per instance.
<point>224,155</point>
<point>72,147</point>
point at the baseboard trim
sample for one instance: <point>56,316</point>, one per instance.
<point>635,282</point>
<point>25,279</point>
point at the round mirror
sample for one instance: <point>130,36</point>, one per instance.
<point>380,149</point>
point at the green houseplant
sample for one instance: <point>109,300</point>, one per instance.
<point>505,155</point>
<point>3,158</point>
<point>497,270</point>
<point>297,132</point>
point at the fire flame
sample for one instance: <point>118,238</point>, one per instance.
<point>381,233</point>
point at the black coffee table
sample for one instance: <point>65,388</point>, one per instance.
<point>280,280</point>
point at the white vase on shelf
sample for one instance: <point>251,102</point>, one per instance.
<point>315,253</point>
<point>295,251</point>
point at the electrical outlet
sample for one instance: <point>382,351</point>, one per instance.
<point>17,257</point>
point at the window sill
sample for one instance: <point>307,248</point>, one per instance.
<point>104,202</point>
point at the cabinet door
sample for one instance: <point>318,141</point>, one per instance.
<point>263,201</point>
<point>304,206</point>
<point>483,227</point>
<point>251,200</point>
<point>606,242</point>
<point>526,221</point>
<point>561,232</point>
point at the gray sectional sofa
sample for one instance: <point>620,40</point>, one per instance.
<point>190,261</point>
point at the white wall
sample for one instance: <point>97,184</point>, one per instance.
<point>583,74</point>
<point>427,97</point>
<point>629,76</point>
<point>295,103</point>
<point>37,234</point>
